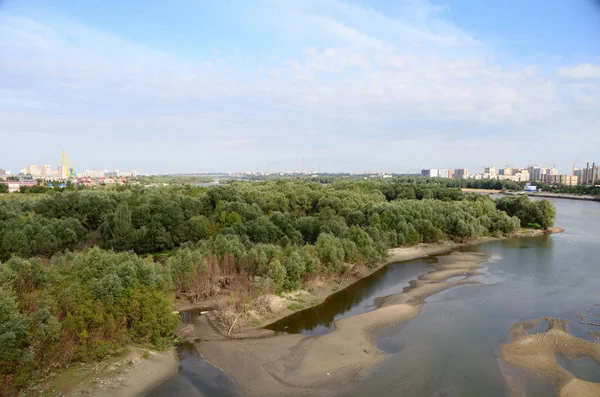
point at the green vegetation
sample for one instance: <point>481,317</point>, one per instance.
<point>135,248</point>
<point>540,214</point>
<point>78,307</point>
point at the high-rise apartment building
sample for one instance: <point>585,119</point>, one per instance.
<point>491,171</point>
<point>568,180</point>
<point>588,175</point>
<point>32,170</point>
<point>432,172</point>
<point>461,173</point>
<point>46,170</point>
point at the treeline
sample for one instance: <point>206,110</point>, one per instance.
<point>57,307</point>
<point>281,213</point>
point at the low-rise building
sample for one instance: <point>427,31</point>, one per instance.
<point>15,186</point>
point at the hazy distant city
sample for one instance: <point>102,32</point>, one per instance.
<point>33,174</point>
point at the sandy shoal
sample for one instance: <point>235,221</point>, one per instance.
<point>536,355</point>
<point>299,365</point>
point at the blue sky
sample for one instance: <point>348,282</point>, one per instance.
<point>198,86</point>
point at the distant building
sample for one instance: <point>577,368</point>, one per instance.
<point>491,171</point>
<point>588,175</point>
<point>461,173</point>
<point>530,188</point>
<point>568,180</point>
<point>46,170</point>
<point>4,172</point>
<point>96,174</point>
<point>444,173</point>
<point>432,173</point>
<point>15,186</point>
<point>32,170</point>
<point>536,173</point>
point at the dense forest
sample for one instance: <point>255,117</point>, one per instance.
<point>85,272</point>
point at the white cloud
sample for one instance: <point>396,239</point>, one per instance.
<point>358,77</point>
<point>583,71</point>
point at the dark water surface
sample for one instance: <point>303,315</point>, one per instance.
<point>451,349</point>
<point>356,299</point>
<point>196,377</point>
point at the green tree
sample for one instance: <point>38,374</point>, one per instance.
<point>331,251</point>
<point>13,332</point>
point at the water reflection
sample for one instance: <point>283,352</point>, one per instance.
<point>356,299</point>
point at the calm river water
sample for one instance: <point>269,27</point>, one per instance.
<point>452,348</point>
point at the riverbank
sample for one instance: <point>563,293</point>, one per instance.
<point>131,373</point>
<point>299,365</point>
<point>554,195</point>
<point>488,191</point>
<point>532,194</point>
<point>257,365</point>
<point>318,290</point>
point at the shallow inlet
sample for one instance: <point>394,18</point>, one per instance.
<point>356,299</point>
<point>195,375</point>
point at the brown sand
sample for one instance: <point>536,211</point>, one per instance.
<point>298,365</point>
<point>133,373</point>
<point>535,354</point>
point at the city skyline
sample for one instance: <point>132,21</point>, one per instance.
<point>44,169</point>
<point>339,86</point>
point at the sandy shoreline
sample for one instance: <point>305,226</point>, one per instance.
<point>299,365</point>
<point>132,373</point>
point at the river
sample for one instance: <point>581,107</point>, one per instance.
<point>451,349</point>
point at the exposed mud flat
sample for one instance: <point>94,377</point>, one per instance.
<point>536,354</point>
<point>298,365</point>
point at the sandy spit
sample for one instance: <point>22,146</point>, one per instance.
<point>298,365</point>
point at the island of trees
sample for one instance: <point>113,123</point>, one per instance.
<point>83,273</point>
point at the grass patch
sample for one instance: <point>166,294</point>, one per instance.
<point>145,354</point>
<point>295,306</point>
<point>256,323</point>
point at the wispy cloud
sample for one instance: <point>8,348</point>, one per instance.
<point>356,76</point>
<point>583,71</point>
